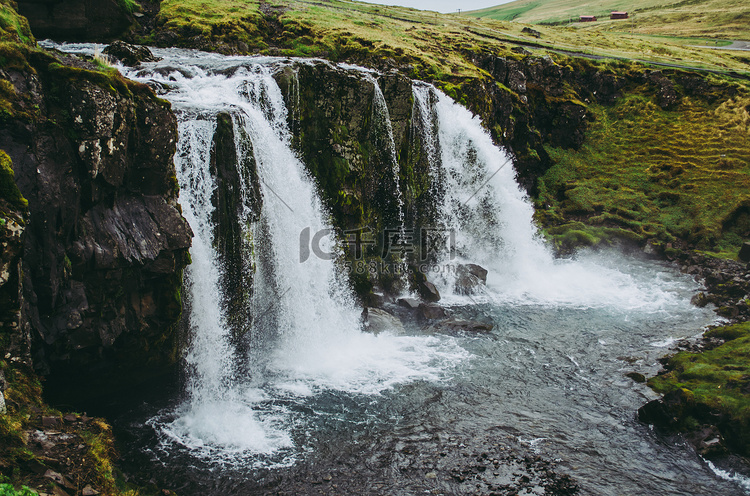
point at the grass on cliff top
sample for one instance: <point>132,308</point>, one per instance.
<point>662,174</point>
<point>237,20</point>
<point>719,377</point>
<point>14,27</point>
<point>434,43</point>
<point>729,19</point>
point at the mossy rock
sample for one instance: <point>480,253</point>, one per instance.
<point>8,189</point>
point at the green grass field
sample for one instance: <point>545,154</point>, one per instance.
<point>726,19</point>
<point>660,174</point>
<point>435,44</point>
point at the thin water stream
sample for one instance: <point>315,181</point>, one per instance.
<point>322,405</point>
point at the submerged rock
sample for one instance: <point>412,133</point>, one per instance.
<point>378,320</point>
<point>430,311</point>
<point>455,325</point>
<point>410,303</point>
<point>469,277</point>
<point>635,376</point>
<point>128,54</point>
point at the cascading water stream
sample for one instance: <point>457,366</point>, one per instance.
<point>492,220</point>
<point>305,333</point>
<point>383,411</point>
<point>383,140</point>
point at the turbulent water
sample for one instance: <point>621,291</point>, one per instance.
<point>395,413</point>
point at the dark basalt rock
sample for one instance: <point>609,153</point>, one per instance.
<point>335,126</point>
<point>666,94</point>
<point>128,54</point>
<point>726,283</point>
<point>469,277</point>
<point>430,311</point>
<point>105,242</point>
<point>454,325</point>
<point>678,411</point>
<point>428,291</point>
<point>75,20</point>
<point>410,303</point>
<point>235,252</point>
<point>744,254</point>
<point>636,377</point>
<point>378,320</point>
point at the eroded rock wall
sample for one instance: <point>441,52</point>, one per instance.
<point>76,20</point>
<point>105,242</point>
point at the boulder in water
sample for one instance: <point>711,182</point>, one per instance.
<point>454,325</point>
<point>128,54</point>
<point>428,291</point>
<point>410,303</point>
<point>430,311</point>
<point>469,277</point>
<point>636,377</point>
<point>378,320</point>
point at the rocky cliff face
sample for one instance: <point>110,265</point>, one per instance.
<point>105,243</point>
<point>335,122</point>
<point>340,130</point>
<point>76,20</point>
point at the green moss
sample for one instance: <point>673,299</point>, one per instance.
<point>680,173</point>
<point>567,237</point>
<point>13,27</point>
<point>8,189</point>
<point>9,490</point>
<point>129,6</point>
<point>109,78</point>
<point>718,378</point>
<point>100,443</point>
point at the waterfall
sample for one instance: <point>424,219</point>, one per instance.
<point>304,335</point>
<point>382,136</point>
<point>479,200</point>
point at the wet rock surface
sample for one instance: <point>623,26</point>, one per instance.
<point>469,277</point>
<point>61,462</point>
<point>105,242</point>
<point>75,20</point>
<point>727,287</point>
<point>727,283</point>
<point>378,320</point>
<point>409,459</point>
<point>423,463</point>
<point>128,54</point>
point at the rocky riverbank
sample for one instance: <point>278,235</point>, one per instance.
<point>705,385</point>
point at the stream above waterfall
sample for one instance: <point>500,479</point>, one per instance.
<point>312,402</point>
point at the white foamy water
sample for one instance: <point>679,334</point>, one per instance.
<point>306,324</point>
<point>492,220</point>
<point>548,376</point>
<point>731,476</point>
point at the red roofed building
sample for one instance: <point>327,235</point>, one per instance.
<point>618,15</point>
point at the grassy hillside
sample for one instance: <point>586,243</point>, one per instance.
<point>682,171</point>
<point>435,45</point>
<point>666,174</point>
<point>728,19</point>
<point>13,27</point>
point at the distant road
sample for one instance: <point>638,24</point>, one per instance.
<point>505,38</point>
<point>736,45</point>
